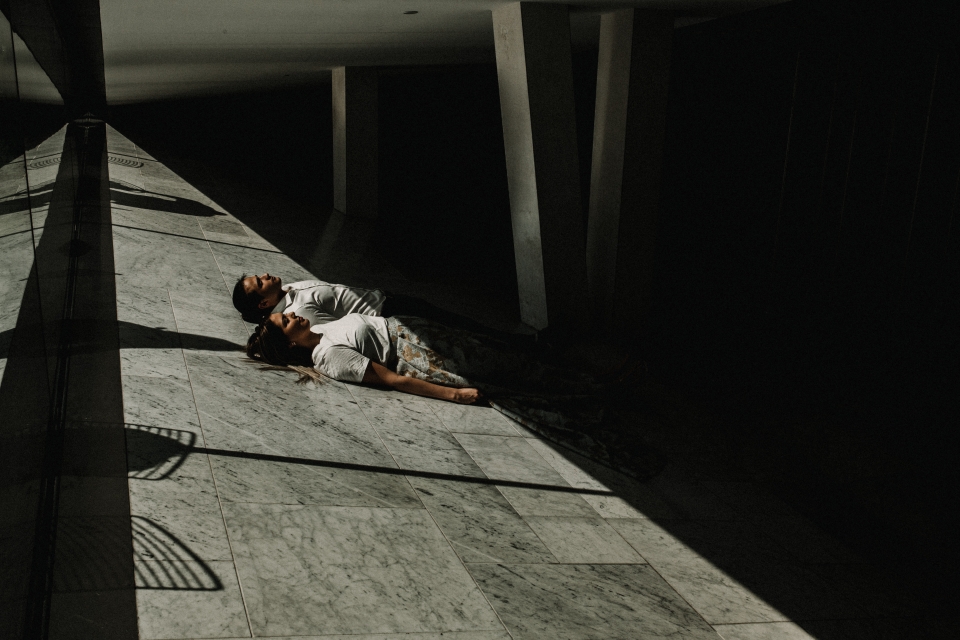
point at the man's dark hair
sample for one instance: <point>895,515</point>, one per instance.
<point>248,303</point>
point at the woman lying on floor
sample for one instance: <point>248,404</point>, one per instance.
<point>422,357</point>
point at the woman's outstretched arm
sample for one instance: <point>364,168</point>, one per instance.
<point>379,375</point>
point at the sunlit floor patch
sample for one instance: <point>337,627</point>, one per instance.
<point>263,507</point>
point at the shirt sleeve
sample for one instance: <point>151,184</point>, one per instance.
<point>342,363</point>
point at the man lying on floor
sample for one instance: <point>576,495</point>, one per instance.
<point>258,296</point>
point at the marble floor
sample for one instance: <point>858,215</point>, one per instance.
<point>264,508</point>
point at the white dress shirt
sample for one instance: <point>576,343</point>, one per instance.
<point>321,302</point>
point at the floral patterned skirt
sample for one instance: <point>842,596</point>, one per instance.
<point>563,405</point>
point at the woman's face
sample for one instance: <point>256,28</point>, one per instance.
<point>295,328</point>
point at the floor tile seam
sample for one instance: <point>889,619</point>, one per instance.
<point>198,239</point>
<point>213,478</point>
<point>567,564</point>
<point>326,506</point>
<point>430,515</point>
<point>562,479</point>
<point>466,570</point>
<point>383,442</point>
<point>667,582</point>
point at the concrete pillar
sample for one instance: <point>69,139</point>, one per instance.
<point>628,137</point>
<point>355,141</point>
<point>543,175</point>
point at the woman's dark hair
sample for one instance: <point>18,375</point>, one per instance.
<point>248,303</point>
<point>267,344</point>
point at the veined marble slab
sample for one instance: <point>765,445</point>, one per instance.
<point>236,261</point>
<point>581,602</point>
<point>479,523</point>
<point>460,418</point>
<point>763,631</point>
<point>161,222</point>
<point>413,433</point>
<point>210,315</point>
<point>750,592</point>
<point>165,402</point>
<point>672,541</point>
<point>583,540</point>
<point>537,502</point>
<point>147,259</point>
<point>506,458</point>
<point>177,495</point>
<point>328,570</point>
<point>449,635</point>
<point>266,482</point>
<point>189,599</point>
<point>245,409</point>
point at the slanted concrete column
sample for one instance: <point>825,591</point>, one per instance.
<point>355,141</point>
<point>628,138</point>
<point>543,175</point>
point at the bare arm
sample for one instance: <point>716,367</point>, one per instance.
<point>379,375</point>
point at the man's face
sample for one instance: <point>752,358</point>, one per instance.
<point>267,286</point>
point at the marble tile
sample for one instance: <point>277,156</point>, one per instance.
<point>412,432</point>
<point>159,402</point>
<point>181,503</point>
<point>13,224</point>
<point>536,502</point>
<point>479,523</point>
<point>145,306</point>
<point>209,316</point>
<point>659,499</point>
<point>189,599</point>
<point>673,541</point>
<point>583,540</point>
<point>743,592</point>
<point>263,481</point>
<point>448,635</point>
<point>245,409</point>
<point>717,596</point>
<point>164,222</point>
<point>118,142</point>
<point>513,459</point>
<point>460,418</point>
<point>581,602</point>
<point>236,261</point>
<point>326,570</point>
<point>150,362</point>
<point>152,260</point>
<point>763,631</point>
<point>229,231</point>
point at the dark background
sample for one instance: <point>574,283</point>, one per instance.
<point>806,306</point>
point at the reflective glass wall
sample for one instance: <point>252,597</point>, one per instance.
<point>31,140</point>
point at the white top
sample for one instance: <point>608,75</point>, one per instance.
<point>321,302</point>
<point>348,345</point>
